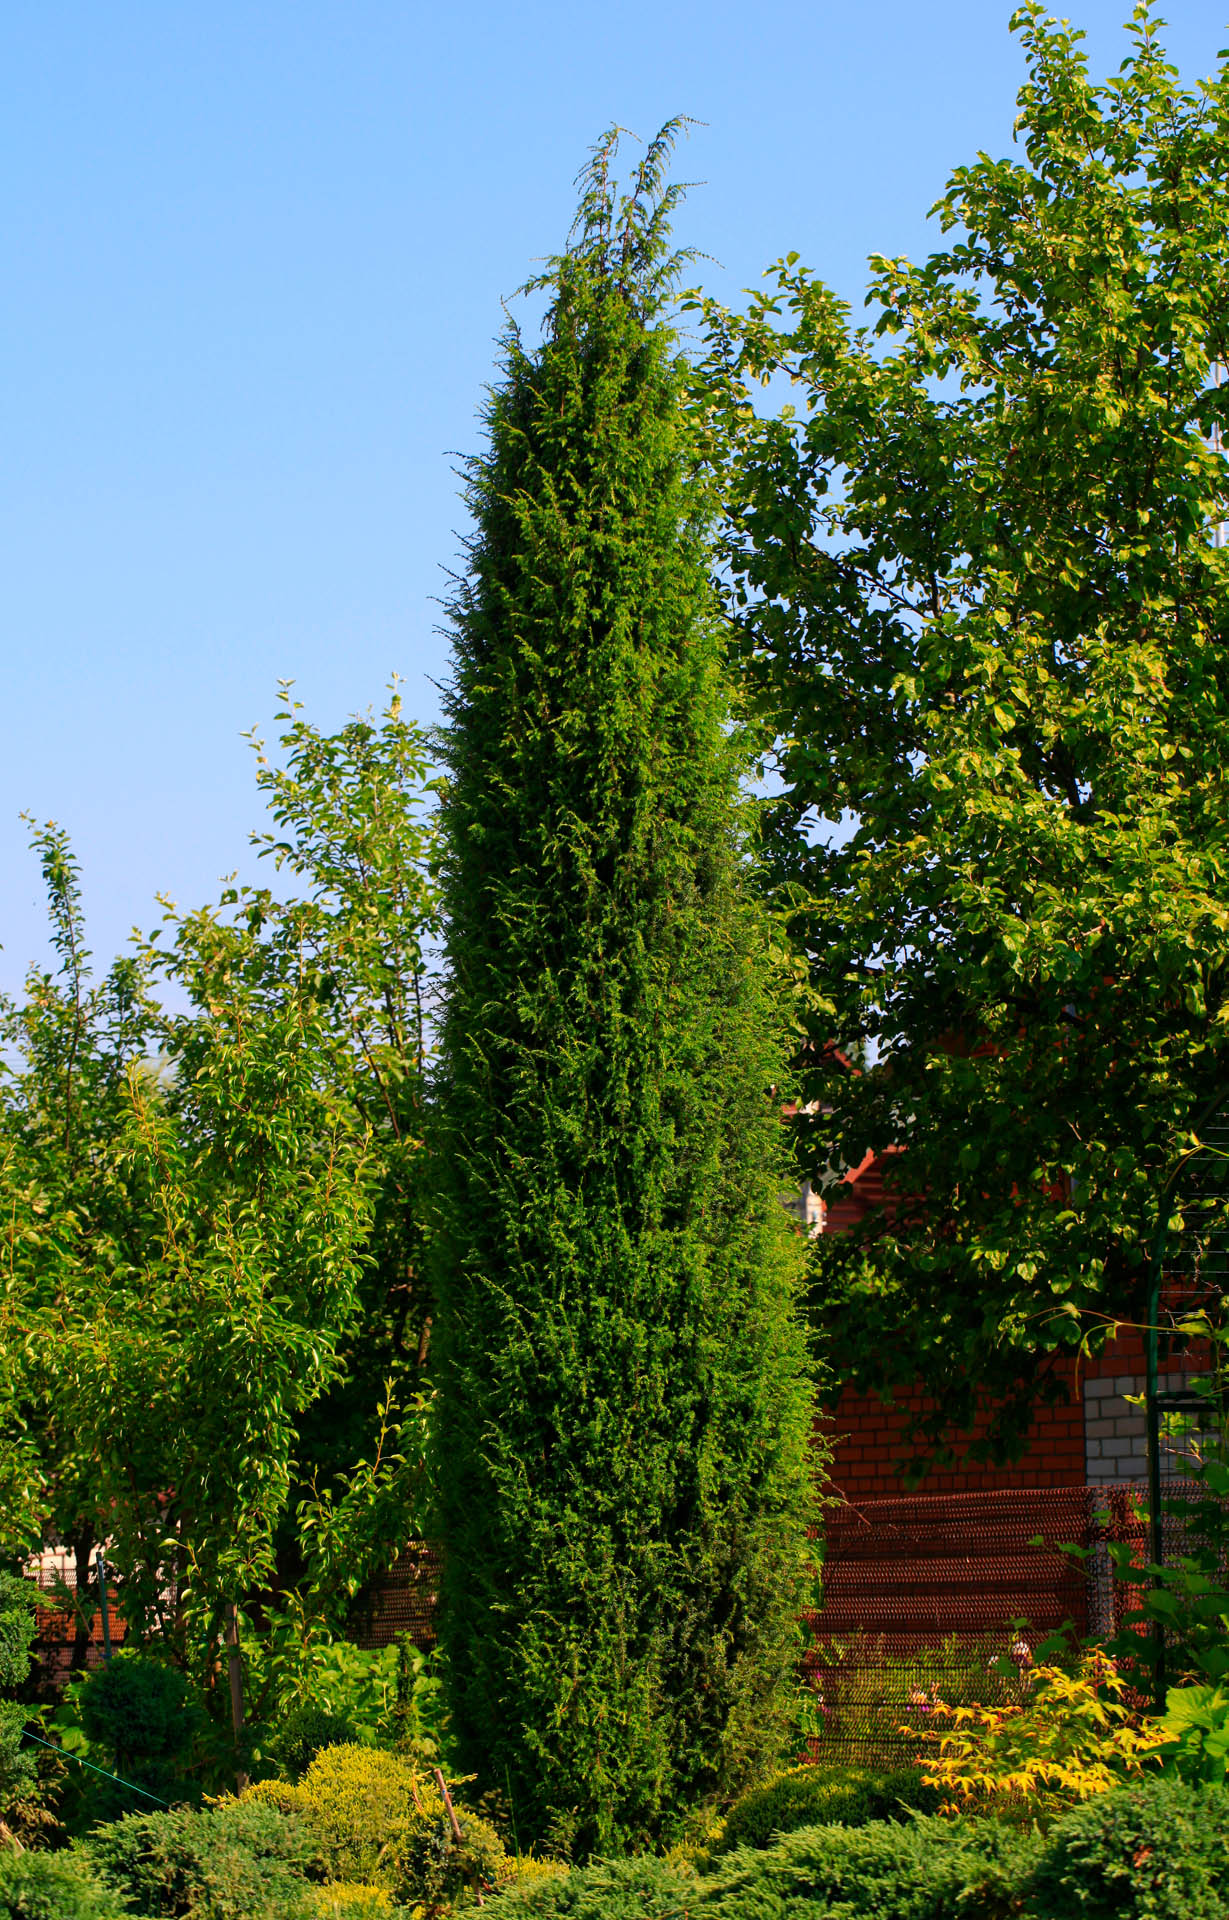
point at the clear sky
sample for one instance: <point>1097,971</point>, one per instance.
<point>254,257</point>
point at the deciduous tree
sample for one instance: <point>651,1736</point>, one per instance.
<point>213,1309</point>
<point>985,612</point>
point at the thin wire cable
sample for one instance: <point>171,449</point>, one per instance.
<point>118,1779</point>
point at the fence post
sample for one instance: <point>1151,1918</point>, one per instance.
<point>1156,1519</point>
<point>104,1605</point>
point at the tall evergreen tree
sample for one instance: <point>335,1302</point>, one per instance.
<point>623,1468</point>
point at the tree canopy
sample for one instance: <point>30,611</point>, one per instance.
<point>985,612</point>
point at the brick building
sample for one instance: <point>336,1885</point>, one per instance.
<point>918,1578</point>
<point>1097,1437</point>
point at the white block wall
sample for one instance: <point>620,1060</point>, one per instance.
<point>1115,1431</point>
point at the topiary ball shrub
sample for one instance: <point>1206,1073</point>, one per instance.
<point>305,1733</point>
<point>812,1796</point>
<point>137,1709</point>
<point>53,1886</point>
<point>138,1712</point>
<point>241,1860</point>
<point>1156,1850</point>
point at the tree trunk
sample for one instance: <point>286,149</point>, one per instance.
<point>234,1668</point>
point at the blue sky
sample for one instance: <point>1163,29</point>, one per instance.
<point>254,260</point>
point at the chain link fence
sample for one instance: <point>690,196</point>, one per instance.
<point>947,1597</point>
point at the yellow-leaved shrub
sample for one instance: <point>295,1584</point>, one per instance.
<point>379,1821</point>
<point>524,1870</point>
<point>1072,1735</point>
<point>349,1900</point>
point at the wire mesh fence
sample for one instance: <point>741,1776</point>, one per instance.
<point>402,1600</point>
<point>924,1597</point>
<point>947,1597</point>
<point>1191,1288</point>
<point>71,1637</point>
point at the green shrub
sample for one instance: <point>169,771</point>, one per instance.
<point>925,1869</point>
<point>527,1870</point>
<point>921,1869</point>
<point>306,1732</point>
<point>241,1860</point>
<point>21,1791</point>
<point>137,1711</point>
<point>359,1803</point>
<point>436,1869</point>
<point>385,1696</point>
<point>18,1602</point>
<point>815,1796</point>
<point>1156,1850</point>
<point>1196,1725</point>
<point>53,1886</point>
<point>18,1767</point>
<point>1153,1851</point>
<point>137,1717</point>
<point>638,1889</point>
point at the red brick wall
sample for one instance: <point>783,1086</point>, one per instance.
<point>871,1451</point>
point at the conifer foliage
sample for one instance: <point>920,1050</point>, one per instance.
<point>623,1446</point>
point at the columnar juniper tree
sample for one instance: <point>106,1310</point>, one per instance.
<point>623,1467</point>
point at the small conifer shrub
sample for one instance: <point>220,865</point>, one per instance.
<point>625,1414</point>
